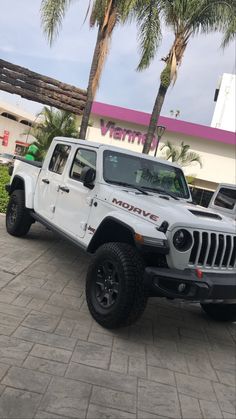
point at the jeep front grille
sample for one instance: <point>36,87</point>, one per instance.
<point>213,250</point>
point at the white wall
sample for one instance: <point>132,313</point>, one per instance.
<point>224,116</point>
<point>17,133</point>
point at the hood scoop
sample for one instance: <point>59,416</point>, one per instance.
<point>206,214</point>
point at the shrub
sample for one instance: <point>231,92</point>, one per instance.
<point>4,179</point>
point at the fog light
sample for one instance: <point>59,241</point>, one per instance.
<point>181,287</point>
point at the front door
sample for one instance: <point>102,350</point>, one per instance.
<point>74,202</point>
<point>49,180</point>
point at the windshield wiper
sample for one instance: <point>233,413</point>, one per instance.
<point>162,191</point>
<point>114,182</point>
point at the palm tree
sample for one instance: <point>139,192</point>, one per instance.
<point>230,31</point>
<point>180,155</point>
<point>105,14</point>
<point>55,123</point>
<point>185,18</point>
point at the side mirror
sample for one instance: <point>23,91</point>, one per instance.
<point>88,176</point>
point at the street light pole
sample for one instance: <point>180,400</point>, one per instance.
<point>160,131</point>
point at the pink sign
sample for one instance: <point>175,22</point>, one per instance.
<point>122,134</point>
<point>5,138</point>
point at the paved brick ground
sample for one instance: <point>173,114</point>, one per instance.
<point>56,362</point>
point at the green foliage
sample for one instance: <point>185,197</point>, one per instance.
<point>55,123</point>
<point>181,154</point>
<point>4,179</point>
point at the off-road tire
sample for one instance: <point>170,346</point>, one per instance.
<point>220,312</point>
<point>131,298</point>
<point>18,219</point>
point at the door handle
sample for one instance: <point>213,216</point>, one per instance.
<point>45,181</point>
<point>64,189</point>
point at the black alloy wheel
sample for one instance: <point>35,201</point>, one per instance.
<point>107,284</point>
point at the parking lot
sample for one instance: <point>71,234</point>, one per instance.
<point>56,362</point>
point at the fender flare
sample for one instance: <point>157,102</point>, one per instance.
<point>28,188</point>
<point>109,219</point>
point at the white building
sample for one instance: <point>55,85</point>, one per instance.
<point>224,116</point>
<point>15,128</point>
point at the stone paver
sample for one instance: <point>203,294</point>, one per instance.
<point>25,379</point>
<point>66,397</point>
<point>56,362</point>
<point>18,404</point>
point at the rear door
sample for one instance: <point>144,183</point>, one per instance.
<point>49,180</point>
<point>74,202</point>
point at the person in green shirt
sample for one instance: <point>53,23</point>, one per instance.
<point>31,152</point>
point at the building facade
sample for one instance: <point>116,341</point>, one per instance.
<point>224,116</point>
<point>127,129</point>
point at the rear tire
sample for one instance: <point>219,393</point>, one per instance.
<point>114,287</point>
<point>18,219</point>
<point>220,312</point>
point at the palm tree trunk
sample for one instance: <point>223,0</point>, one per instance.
<point>168,74</point>
<point>99,56</point>
<point>154,117</point>
<point>91,91</point>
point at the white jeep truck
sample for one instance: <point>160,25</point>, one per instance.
<point>133,212</point>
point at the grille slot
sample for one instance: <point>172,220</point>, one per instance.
<point>213,250</point>
<point>233,257</point>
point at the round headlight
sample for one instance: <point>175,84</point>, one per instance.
<point>182,240</point>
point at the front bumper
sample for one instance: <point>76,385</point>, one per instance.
<point>186,285</point>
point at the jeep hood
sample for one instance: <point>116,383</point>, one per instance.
<point>156,208</point>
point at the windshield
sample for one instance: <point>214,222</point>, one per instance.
<point>144,173</point>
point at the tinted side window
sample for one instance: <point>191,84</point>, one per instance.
<point>201,196</point>
<point>82,158</point>
<point>226,198</point>
<point>59,158</point>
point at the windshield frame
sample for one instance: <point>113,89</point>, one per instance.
<point>165,165</point>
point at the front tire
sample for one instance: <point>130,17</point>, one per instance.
<point>18,219</point>
<point>114,287</point>
<point>220,312</point>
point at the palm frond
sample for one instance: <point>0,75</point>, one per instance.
<point>149,30</point>
<point>230,31</point>
<point>52,15</point>
<point>98,12</point>
<point>55,123</point>
<point>191,157</point>
<point>181,154</point>
<point>87,11</point>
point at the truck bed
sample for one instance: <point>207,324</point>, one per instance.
<point>28,172</point>
<point>33,163</point>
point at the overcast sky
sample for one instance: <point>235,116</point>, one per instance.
<point>22,42</point>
